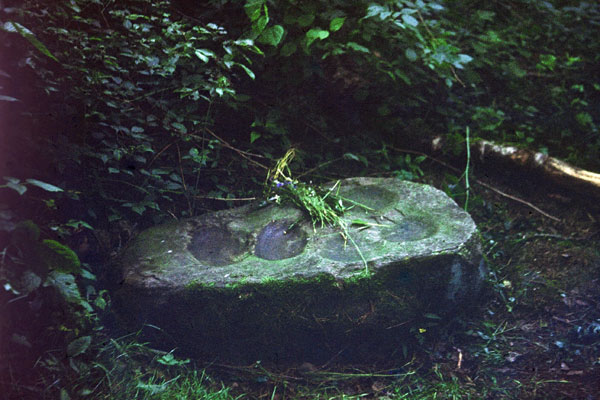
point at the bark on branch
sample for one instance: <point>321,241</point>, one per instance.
<point>560,172</point>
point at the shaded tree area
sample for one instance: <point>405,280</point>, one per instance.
<point>116,116</point>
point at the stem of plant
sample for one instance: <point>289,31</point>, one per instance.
<point>467,187</point>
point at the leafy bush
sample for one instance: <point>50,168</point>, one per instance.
<point>48,296</point>
<point>534,79</point>
<point>142,83</point>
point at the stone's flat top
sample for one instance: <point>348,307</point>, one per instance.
<point>259,243</point>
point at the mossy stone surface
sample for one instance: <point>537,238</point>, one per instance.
<point>261,282</point>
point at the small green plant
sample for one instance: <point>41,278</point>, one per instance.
<point>324,207</point>
<point>466,174</point>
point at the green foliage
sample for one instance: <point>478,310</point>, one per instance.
<point>148,85</point>
<point>533,76</point>
<point>323,207</point>
<point>21,187</point>
<point>30,264</point>
<point>145,84</point>
<point>59,257</point>
<point>27,34</point>
<point>124,368</point>
<point>349,53</point>
<point>47,295</point>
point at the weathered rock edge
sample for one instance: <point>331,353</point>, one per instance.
<point>230,285</point>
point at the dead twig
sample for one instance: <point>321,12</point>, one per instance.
<point>226,199</point>
<point>159,153</point>
<point>517,200</point>
<point>242,153</point>
<point>185,189</point>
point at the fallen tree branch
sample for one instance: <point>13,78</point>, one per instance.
<point>558,171</point>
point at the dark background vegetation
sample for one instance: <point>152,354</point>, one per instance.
<point>116,116</point>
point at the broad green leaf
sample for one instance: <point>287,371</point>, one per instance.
<point>357,157</point>
<point>138,208</point>
<point>85,274</point>
<point>60,257</point>
<point>160,171</point>
<point>12,26</point>
<point>357,47</point>
<point>46,186</point>
<point>260,24</point>
<point>410,20</point>
<point>73,6</point>
<point>79,346</point>
<point>20,188</point>
<point>336,24</point>
<point>272,35</point>
<point>402,76</point>
<point>12,179</point>
<point>66,286</point>
<point>410,54</point>
<point>204,54</point>
<point>244,42</point>
<point>78,224</point>
<point>253,136</point>
<point>100,302</point>
<point>377,10</point>
<point>248,70</point>
<point>253,9</point>
<point>464,58</point>
<point>288,49</point>
<point>8,98</point>
<point>306,20</point>
<point>179,126</point>
<point>315,34</point>
<point>195,154</point>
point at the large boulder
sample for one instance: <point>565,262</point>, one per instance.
<point>262,282</point>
